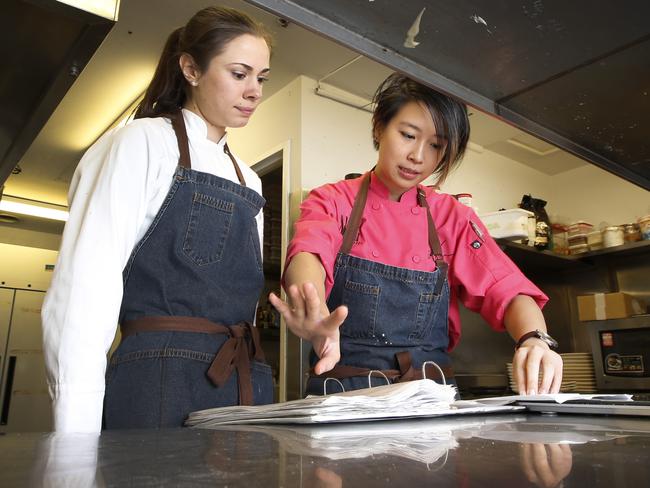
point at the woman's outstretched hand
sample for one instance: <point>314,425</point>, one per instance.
<point>308,317</point>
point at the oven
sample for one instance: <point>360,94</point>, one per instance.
<point>621,353</point>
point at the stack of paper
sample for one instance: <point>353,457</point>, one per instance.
<point>421,398</point>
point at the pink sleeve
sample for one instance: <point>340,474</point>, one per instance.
<point>486,278</point>
<point>318,230</point>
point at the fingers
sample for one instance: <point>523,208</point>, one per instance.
<point>329,354</point>
<point>526,367</point>
<point>336,318</point>
<point>557,376</point>
<point>279,304</point>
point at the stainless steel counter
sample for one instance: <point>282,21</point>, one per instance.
<point>503,450</point>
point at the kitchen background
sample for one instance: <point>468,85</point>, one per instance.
<point>312,128</point>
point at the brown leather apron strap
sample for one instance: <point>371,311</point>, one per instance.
<point>178,124</point>
<point>434,242</point>
<point>405,373</point>
<point>352,227</point>
<point>240,176</point>
<point>236,353</point>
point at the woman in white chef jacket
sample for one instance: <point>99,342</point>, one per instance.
<point>164,238</point>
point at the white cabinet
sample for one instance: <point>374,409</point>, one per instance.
<point>25,405</point>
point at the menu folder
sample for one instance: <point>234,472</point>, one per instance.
<point>413,399</point>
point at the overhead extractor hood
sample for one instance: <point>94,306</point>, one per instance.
<point>576,74</point>
<point>46,45</point>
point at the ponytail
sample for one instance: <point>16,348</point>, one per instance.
<point>166,92</point>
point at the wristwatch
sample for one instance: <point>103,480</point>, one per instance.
<point>540,334</point>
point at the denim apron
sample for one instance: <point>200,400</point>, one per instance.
<point>397,317</point>
<point>191,286</point>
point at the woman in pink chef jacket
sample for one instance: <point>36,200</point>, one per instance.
<point>377,264</point>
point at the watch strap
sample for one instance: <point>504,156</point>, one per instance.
<point>552,344</point>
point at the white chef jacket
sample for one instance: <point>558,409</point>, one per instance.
<point>116,192</point>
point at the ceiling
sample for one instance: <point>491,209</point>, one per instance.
<point>120,69</point>
<point>573,73</point>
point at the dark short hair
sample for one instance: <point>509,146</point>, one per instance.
<point>448,114</point>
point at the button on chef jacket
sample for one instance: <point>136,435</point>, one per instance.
<point>395,233</point>
<point>115,193</point>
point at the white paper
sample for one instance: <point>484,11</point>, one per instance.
<point>553,398</point>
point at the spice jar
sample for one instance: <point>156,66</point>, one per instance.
<point>631,233</point>
<point>613,236</point>
<point>644,227</point>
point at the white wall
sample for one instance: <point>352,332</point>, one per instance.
<point>337,138</point>
<point>496,181</point>
<point>24,267</point>
<point>591,194</point>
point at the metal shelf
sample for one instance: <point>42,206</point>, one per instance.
<point>528,256</point>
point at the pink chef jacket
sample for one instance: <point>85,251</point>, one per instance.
<point>395,233</point>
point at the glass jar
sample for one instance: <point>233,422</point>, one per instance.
<point>613,236</point>
<point>644,227</point>
<point>631,233</point>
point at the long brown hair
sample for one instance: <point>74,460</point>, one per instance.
<point>205,36</point>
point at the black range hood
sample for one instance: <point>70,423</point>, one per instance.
<point>45,46</point>
<point>576,74</point>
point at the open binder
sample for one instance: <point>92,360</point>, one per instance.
<point>413,399</point>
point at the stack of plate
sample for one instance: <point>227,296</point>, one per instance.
<point>578,374</point>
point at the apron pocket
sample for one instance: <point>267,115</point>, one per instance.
<point>208,228</point>
<point>362,300</point>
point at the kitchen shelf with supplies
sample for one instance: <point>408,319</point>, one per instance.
<point>530,257</point>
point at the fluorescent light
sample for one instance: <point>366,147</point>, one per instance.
<point>104,8</point>
<point>35,209</point>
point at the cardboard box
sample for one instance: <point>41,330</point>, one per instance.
<point>602,306</point>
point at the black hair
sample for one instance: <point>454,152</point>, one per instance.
<point>449,116</point>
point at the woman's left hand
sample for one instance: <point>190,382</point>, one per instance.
<point>532,358</point>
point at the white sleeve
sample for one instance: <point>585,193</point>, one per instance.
<point>108,197</point>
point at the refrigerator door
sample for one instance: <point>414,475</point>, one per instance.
<point>26,405</point>
<point>6,302</point>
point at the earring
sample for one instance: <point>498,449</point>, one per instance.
<point>194,83</point>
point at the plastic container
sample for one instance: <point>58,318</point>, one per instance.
<point>644,227</point>
<point>578,249</point>
<point>579,227</point>
<point>507,224</point>
<point>613,236</point>
<point>595,240</point>
<point>631,233</point>
<point>577,240</point>
<point>560,240</point>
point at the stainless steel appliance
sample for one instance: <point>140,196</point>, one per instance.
<point>621,352</point>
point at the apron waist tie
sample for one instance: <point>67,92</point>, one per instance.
<point>406,372</point>
<point>242,346</point>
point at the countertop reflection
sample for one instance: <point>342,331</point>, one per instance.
<point>488,450</point>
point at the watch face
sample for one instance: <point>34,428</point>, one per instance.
<point>547,338</point>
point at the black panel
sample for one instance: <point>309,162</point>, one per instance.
<point>45,45</point>
<point>529,62</point>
